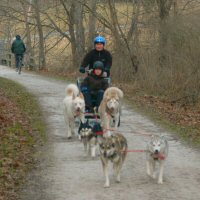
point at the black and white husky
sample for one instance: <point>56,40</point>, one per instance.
<point>88,136</point>
<point>157,152</point>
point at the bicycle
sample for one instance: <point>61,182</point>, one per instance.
<point>20,64</point>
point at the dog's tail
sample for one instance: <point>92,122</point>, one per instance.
<point>112,91</point>
<point>71,90</point>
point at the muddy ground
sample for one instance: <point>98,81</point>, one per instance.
<point>66,173</point>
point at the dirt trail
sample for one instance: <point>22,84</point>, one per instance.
<point>65,173</point>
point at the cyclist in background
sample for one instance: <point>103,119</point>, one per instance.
<point>18,48</point>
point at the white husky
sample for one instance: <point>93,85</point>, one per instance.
<point>157,152</point>
<point>74,106</point>
<point>110,107</point>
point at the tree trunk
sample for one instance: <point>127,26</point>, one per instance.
<point>164,7</point>
<point>91,24</point>
<point>80,37</point>
<point>42,60</point>
<point>29,50</point>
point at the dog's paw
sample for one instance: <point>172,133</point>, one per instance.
<point>79,137</point>
<point>69,137</point>
<point>118,179</point>
<point>106,185</point>
<point>160,181</point>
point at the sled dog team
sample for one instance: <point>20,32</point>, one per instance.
<point>112,147</point>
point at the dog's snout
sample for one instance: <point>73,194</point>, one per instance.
<point>105,154</point>
<point>78,109</point>
<point>112,108</point>
<point>156,151</point>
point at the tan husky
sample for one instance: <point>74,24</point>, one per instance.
<point>110,107</point>
<point>112,149</point>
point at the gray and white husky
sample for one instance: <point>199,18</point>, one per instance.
<point>112,149</point>
<point>157,152</point>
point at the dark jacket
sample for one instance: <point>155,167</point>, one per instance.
<point>95,55</point>
<point>95,83</point>
<point>18,47</point>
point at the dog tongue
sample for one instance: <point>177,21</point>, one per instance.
<point>161,156</point>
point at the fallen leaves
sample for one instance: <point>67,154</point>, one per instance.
<point>16,146</point>
<point>185,117</point>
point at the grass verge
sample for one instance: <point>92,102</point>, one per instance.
<point>183,123</point>
<point>22,130</point>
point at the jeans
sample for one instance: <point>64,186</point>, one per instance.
<point>18,59</point>
<point>93,98</point>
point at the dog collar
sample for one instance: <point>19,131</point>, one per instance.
<point>158,156</point>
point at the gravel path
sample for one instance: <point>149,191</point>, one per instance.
<point>66,173</point>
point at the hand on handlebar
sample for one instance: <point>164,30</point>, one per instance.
<point>104,74</point>
<point>89,71</point>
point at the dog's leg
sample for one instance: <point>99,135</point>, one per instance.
<point>107,121</point>
<point>116,120</point>
<point>67,121</point>
<point>93,151</point>
<point>117,168</point>
<point>105,170</point>
<point>73,128</point>
<point>153,163</point>
<point>85,144</point>
<point>82,118</point>
<point>148,168</point>
<point>69,131</point>
<point>88,148</point>
<point>160,177</point>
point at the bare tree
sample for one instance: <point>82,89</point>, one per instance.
<point>91,24</point>
<point>164,7</point>
<point>27,9</point>
<point>42,59</point>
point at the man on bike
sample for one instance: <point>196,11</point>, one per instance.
<point>97,54</point>
<point>18,48</point>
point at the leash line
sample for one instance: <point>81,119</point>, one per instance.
<point>116,131</point>
<point>135,150</point>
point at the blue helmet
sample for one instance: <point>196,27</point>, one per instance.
<point>100,39</point>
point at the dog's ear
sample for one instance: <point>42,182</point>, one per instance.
<point>81,95</point>
<point>107,97</point>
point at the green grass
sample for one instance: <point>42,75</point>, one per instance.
<point>21,138</point>
<point>26,102</point>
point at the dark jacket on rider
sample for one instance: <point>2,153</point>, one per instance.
<point>18,46</point>
<point>95,83</point>
<point>95,55</point>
